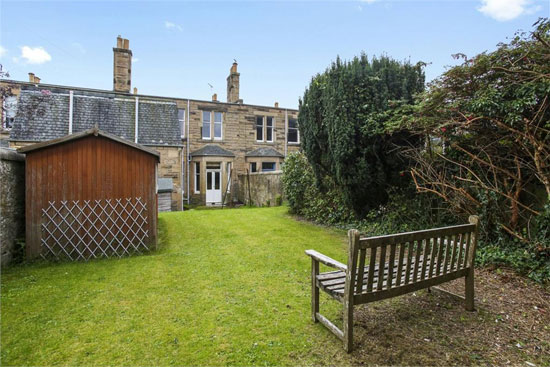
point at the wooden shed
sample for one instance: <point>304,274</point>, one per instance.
<point>89,195</point>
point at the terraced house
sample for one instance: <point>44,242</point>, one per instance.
<point>203,145</point>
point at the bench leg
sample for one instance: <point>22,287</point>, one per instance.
<point>348,326</point>
<point>469,282</point>
<point>314,290</point>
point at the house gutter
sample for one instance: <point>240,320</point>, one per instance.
<point>286,132</point>
<point>187,155</point>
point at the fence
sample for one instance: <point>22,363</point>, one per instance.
<point>83,230</point>
<point>260,187</point>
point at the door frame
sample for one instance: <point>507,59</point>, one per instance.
<point>213,172</point>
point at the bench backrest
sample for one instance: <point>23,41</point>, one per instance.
<point>410,258</point>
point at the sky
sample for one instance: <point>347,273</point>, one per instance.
<point>182,48</point>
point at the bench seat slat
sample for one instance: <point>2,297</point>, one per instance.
<point>337,283</point>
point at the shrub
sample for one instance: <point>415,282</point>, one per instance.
<point>490,121</point>
<point>305,199</point>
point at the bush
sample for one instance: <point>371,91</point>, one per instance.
<point>305,199</point>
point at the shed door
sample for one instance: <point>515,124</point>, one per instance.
<point>213,184</point>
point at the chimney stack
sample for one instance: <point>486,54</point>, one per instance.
<point>276,104</point>
<point>233,85</point>
<point>33,78</point>
<point>135,90</point>
<point>214,97</point>
<point>122,66</point>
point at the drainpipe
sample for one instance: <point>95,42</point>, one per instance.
<point>187,155</point>
<point>71,95</point>
<point>137,118</point>
<point>286,133</point>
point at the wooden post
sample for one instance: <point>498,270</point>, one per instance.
<point>353,248</point>
<point>314,289</point>
<point>469,279</point>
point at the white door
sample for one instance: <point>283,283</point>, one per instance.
<point>213,186</point>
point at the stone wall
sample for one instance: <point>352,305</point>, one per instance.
<point>12,201</point>
<point>171,167</point>
<point>264,187</point>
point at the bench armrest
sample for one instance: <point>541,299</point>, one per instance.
<point>326,260</point>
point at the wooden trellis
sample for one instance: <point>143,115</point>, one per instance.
<point>83,230</point>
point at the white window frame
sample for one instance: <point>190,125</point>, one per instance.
<point>214,125</point>
<point>197,176</point>
<point>272,128</point>
<point>209,114</point>
<point>182,121</point>
<point>293,128</point>
<point>263,128</point>
<point>269,170</point>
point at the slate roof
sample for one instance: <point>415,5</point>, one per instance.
<point>212,150</point>
<point>93,131</point>
<point>264,152</point>
<point>43,114</point>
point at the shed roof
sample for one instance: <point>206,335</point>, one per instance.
<point>43,114</point>
<point>212,150</point>
<point>93,131</point>
<point>264,152</point>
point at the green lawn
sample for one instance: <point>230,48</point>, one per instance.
<point>226,287</point>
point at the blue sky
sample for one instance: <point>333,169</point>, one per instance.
<point>180,47</point>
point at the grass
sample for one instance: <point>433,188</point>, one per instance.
<point>232,287</point>
<point>226,287</point>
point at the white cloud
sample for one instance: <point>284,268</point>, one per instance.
<point>134,60</point>
<point>503,10</point>
<point>368,1</point>
<point>3,51</point>
<point>36,55</point>
<point>170,25</point>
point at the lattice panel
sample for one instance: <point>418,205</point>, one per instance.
<point>83,230</point>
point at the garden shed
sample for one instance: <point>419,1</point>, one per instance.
<point>89,195</point>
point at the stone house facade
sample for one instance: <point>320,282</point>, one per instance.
<point>204,145</point>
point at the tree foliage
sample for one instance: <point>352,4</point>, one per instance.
<point>487,127</point>
<point>342,126</point>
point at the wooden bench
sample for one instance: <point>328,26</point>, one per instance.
<point>396,264</point>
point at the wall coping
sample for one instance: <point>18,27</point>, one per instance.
<point>7,154</point>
